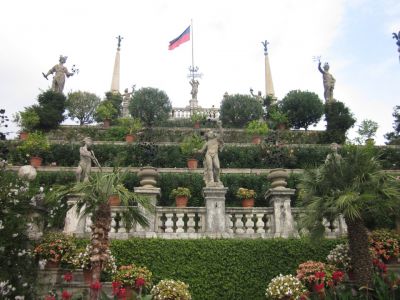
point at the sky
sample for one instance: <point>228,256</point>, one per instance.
<point>355,37</point>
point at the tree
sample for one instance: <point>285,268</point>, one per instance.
<point>366,130</point>
<point>394,136</point>
<point>3,123</point>
<point>50,110</point>
<point>150,105</point>
<point>82,105</point>
<point>338,119</point>
<point>238,110</point>
<point>355,187</point>
<point>115,99</point>
<point>303,108</point>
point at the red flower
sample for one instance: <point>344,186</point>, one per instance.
<point>382,267</point>
<point>68,277</point>
<point>318,287</point>
<point>337,276</point>
<point>319,275</point>
<point>95,285</point>
<point>375,261</point>
<point>65,295</point>
<point>121,293</point>
<point>115,286</point>
<point>50,297</point>
<point>139,282</point>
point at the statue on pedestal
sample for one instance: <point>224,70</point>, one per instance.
<point>60,73</point>
<point>328,80</point>
<point>214,143</point>
<point>333,155</point>
<point>195,88</point>
<point>86,158</point>
<point>126,98</point>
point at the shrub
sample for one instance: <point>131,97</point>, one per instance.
<point>105,111</point>
<point>338,119</point>
<point>257,127</point>
<point>50,110</point>
<point>36,144</point>
<point>303,108</point>
<point>238,110</point>
<point>171,289</point>
<point>180,191</point>
<point>190,145</point>
<point>285,287</point>
<point>27,119</point>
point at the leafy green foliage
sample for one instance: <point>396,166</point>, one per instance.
<point>82,105</point>
<point>106,111</point>
<point>50,110</point>
<point>338,119</point>
<point>115,99</point>
<point>394,136</point>
<point>191,144</point>
<point>257,127</point>
<point>150,105</point>
<point>237,110</point>
<point>303,108</point>
<point>36,144</point>
<point>130,125</point>
<point>218,268</point>
<point>27,119</point>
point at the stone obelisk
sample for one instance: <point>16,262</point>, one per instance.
<point>115,78</point>
<point>269,86</point>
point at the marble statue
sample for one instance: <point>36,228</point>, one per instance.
<point>328,80</point>
<point>60,73</point>
<point>195,88</point>
<point>258,97</point>
<point>333,155</point>
<point>214,143</point>
<point>86,158</point>
<point>126,98</point>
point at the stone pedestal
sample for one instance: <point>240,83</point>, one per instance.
<point>74,222</point>
<point>151,193</point>
<point>279,199</point>
<point>215,209</point>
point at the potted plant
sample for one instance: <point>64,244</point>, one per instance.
<point>130,278</point>
<point>257,128</point>
<point>189,147</point>
<point>181,195</point>
<point>35,145</point>
<point>106,111</point>
<point>53,249</point>
<point>385,245</point>
<point>247,196</point>
<point>278,119</point>
<point>197,118</point>
<point>27,120</point>
<point>131,126</point>
<point>171,289</point>
<point>285,287</point>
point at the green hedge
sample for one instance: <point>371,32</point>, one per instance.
<point>176,134</point>
<point>252,156</point>
<point>221,268</point>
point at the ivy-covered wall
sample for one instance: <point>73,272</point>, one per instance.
<point>221,268</point>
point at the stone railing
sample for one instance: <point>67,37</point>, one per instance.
<point>214,220</point>
<point>186,112</point>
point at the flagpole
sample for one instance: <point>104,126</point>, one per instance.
<point>191,27</point>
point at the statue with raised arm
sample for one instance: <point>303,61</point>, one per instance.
<point>214,143</point>
<point>86,157</point>
<point>60,73</point>
<point>195,88</point>
<point>126,98</point>
<point>328,80</point>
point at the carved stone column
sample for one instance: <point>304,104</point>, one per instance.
<point>279,198</point>
<point>215,209</point>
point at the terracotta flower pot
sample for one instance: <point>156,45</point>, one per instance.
<point>106,123</point>
<point>114,200</point>
<point>248,202</point>
<point>52,264</point>
<point>181,201</point>
<point>256,140</point>
<point>36,161</point>
<point>192,163</point>
<point>23,135</point>
<point>130,138</point>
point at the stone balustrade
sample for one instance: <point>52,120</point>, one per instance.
<point>186,112</point>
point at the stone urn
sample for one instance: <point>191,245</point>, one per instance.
<point>148,176</point>
<point>278,178</point>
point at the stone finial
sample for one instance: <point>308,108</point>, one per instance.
<point>278,178</point>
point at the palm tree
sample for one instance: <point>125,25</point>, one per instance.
<point>353,186</point>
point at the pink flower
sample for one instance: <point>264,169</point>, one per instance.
<point>50,297</point>
<point>318,287</point>
<point>115,286</point>
<point>122,293</point>
<point>95,285</point>
<point>65,295</point>
<point>139,282</point>
<point>319,275</point>
<point>337,276</point>
<point>68,277</point>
